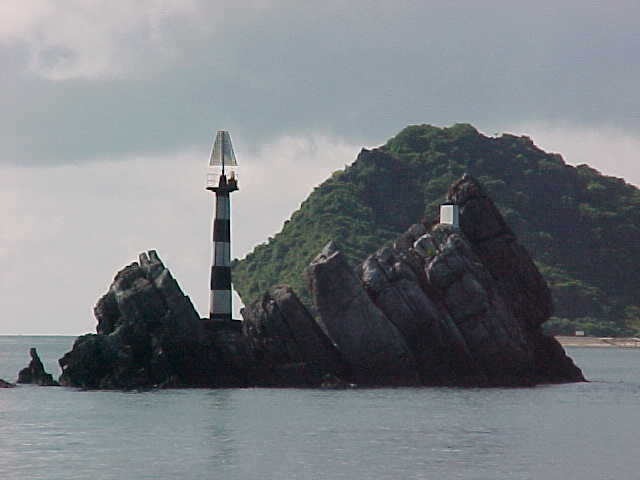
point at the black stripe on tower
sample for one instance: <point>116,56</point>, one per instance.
<point>220,278</point>
<point>221,230</point>
<point>221,316</point>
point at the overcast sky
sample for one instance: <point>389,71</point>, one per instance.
<point>108,111</point>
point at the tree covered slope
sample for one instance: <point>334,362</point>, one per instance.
<point>583,228</point>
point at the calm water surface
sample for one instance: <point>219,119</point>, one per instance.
<point>580,431</point>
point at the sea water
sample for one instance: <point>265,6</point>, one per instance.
<point>575,431</point>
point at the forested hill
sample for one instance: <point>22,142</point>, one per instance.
<point>582,228</point>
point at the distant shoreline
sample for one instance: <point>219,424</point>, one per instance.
<point>599,342</point>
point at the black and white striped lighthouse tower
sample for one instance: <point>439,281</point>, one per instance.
<point>221,156</point>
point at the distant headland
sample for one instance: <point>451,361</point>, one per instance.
<point>582,228</point>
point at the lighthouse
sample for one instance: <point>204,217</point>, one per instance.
<point>222,157</point>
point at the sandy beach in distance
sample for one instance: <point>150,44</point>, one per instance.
<point>607,342</point>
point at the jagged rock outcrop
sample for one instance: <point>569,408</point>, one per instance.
<point>508,262</point>
<point>287,345</point>
<point>517,281</point>
<point>150,335</point>
<point>467,303</point>
<point>469,295</point>
<point>441,306</point>
<point>395,280</point>
<point>34,373</point>
<point>368,341</point>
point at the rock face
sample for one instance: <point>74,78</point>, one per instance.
<point>441,306</point>
<point>517,278</point>
<point>516,281</point>
<point>395,280</point>
<point>284,338</point>
<point>148,335</point>
<point>369,342</point>
<point>34,373</point>
<point>465,303</point>
<point>469,296</point>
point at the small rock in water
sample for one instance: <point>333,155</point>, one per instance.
<point>34,373</point>
<point>4,384</point>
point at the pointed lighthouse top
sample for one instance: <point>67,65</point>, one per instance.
<point>222,154</point>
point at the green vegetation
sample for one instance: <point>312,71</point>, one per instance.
<point>583,228</point>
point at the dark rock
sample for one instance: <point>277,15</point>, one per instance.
<point>34,373</point>
<point>449,310</point>
<point>519,299</point>
<point>442,306</point>
<point>407,239</point>
<point>467,301</point>
<point>224,355</point>
<point>436,343</point>
<point>552,365</point>
<point>149,335</point>
<point>5,384</point>
<point>480,220</point>
<point>91,361</point>
<point>280,332</point>
<point>521,284</point>
<point>372,345</point>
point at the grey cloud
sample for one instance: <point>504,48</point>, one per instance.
<point>359,70</point>
<point>83,223</point>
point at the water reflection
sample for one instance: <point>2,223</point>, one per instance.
<point>219,430</point>
<point>585,431</point>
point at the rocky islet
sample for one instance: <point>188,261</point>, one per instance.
<point>35,374</point>
<point>441,306</point>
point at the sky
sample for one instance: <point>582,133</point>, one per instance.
<point>108,111</point>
